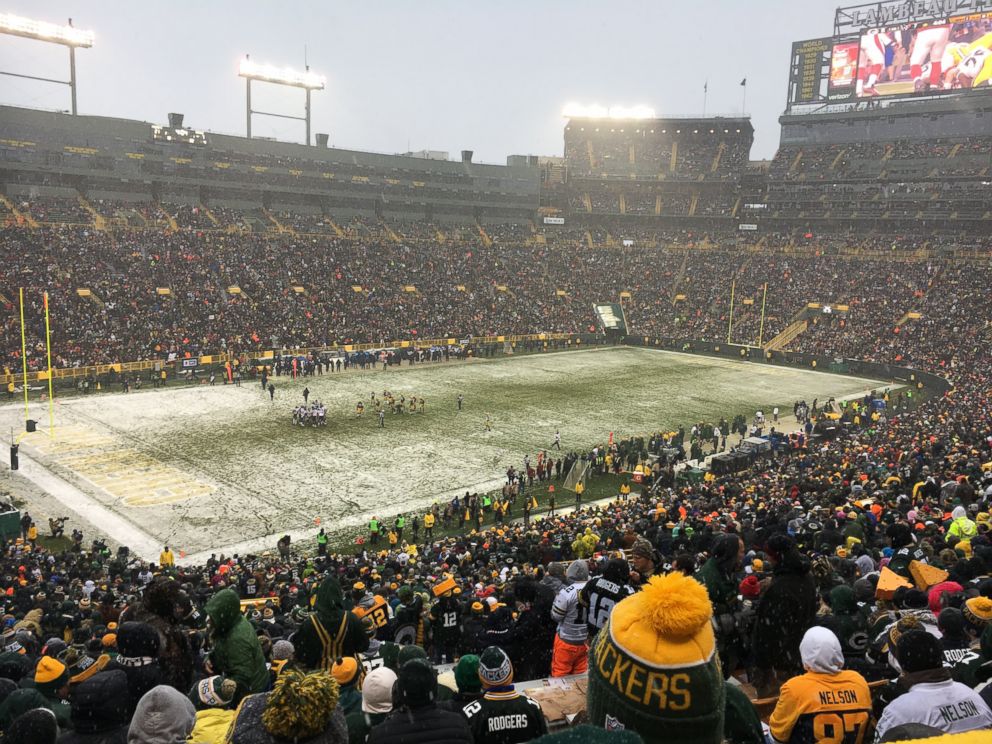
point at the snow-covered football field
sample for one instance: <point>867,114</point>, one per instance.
<point>207,468</point>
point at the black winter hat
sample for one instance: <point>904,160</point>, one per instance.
<point>100,703</point>
<point>951,623</point>
<point>918,650</point>
<point>37,726</point>
<point>417,682</point>
<point>137,639</point>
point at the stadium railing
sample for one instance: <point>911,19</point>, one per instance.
<point>206,360</point>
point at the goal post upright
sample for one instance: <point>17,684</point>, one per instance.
<point>24,358</point>
<point>51,399</point>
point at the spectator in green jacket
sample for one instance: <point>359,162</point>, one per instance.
<point>235,652</point>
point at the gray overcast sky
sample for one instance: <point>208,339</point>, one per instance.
<point>440,74</point>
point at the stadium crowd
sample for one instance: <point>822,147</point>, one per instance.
<point>849,579</point>
<point>150,294</point>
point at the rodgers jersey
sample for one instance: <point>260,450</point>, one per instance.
<point>819,708</point>
<point>505,718</point>
<point>598,597</point>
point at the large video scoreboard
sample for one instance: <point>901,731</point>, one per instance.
<point>896,49</point>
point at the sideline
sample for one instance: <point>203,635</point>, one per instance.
<point>101,517</point>
<point>147,547</point>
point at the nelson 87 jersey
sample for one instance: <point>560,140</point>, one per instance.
<point>818,708</point>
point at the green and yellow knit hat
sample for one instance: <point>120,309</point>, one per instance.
<point>653,668</point>
<point>300,705</point>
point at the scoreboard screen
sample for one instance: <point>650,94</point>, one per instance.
<point>844,65</point>
<point>893,50</point>
<point>933,57</point>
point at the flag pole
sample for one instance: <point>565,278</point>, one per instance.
<point>744,97</point>
<point>24,356</point>
<point>730,324</point>
<point>706,87</point>
<point>51,400</point>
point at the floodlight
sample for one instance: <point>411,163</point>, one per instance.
<point>281,75</point>
<point>68,36</point>
<point>43,31</point>
<point>308,81</point>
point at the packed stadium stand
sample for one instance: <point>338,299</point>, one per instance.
<point>864,241</point>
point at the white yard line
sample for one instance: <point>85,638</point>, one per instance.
<point>106,520</point>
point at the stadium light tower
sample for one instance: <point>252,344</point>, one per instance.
<point>67,36</point>
<point>307,80</point>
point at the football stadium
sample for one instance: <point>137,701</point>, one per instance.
<point>677,430</point>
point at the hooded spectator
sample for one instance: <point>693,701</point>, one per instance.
<point>825,689</point>
<point>331,633</point>
<point>163,716</point>
<point>377,703</point>
<point>235,651</point>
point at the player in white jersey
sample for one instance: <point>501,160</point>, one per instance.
<point>928,46</point>
<point>873,49</point>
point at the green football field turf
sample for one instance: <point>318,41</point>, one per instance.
<point>207,467</point>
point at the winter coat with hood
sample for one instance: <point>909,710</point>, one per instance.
<point>337,622</point>
<point>164,716</point>
<point>847,622</point>
<point>717,575</point>
<point>236,652</point>
<point>100,711</point>
<point>784,613</point>
<point>961,526</point>
<point>825,688</point>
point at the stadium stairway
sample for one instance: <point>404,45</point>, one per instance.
<point>715,166</point>
<point>623,203</point>
<point>836,161</point>
<point>789,334</point>
<point>441,237</point>
<point>20,216</point>
<point>173,225</point>
<point>486,240</point>
<point>390,232</point>
<point>908,316</point>
<point>210,216</point>
<point>99,222</point>
<point>679,276</point>
<point>281,228</point>
<point>795,162</point>
<point>87,294</point>
<point>335,227</point>
<point>587,201</point>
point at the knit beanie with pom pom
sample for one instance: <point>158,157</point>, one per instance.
<point>653,668</point>
<point>300,705</point>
